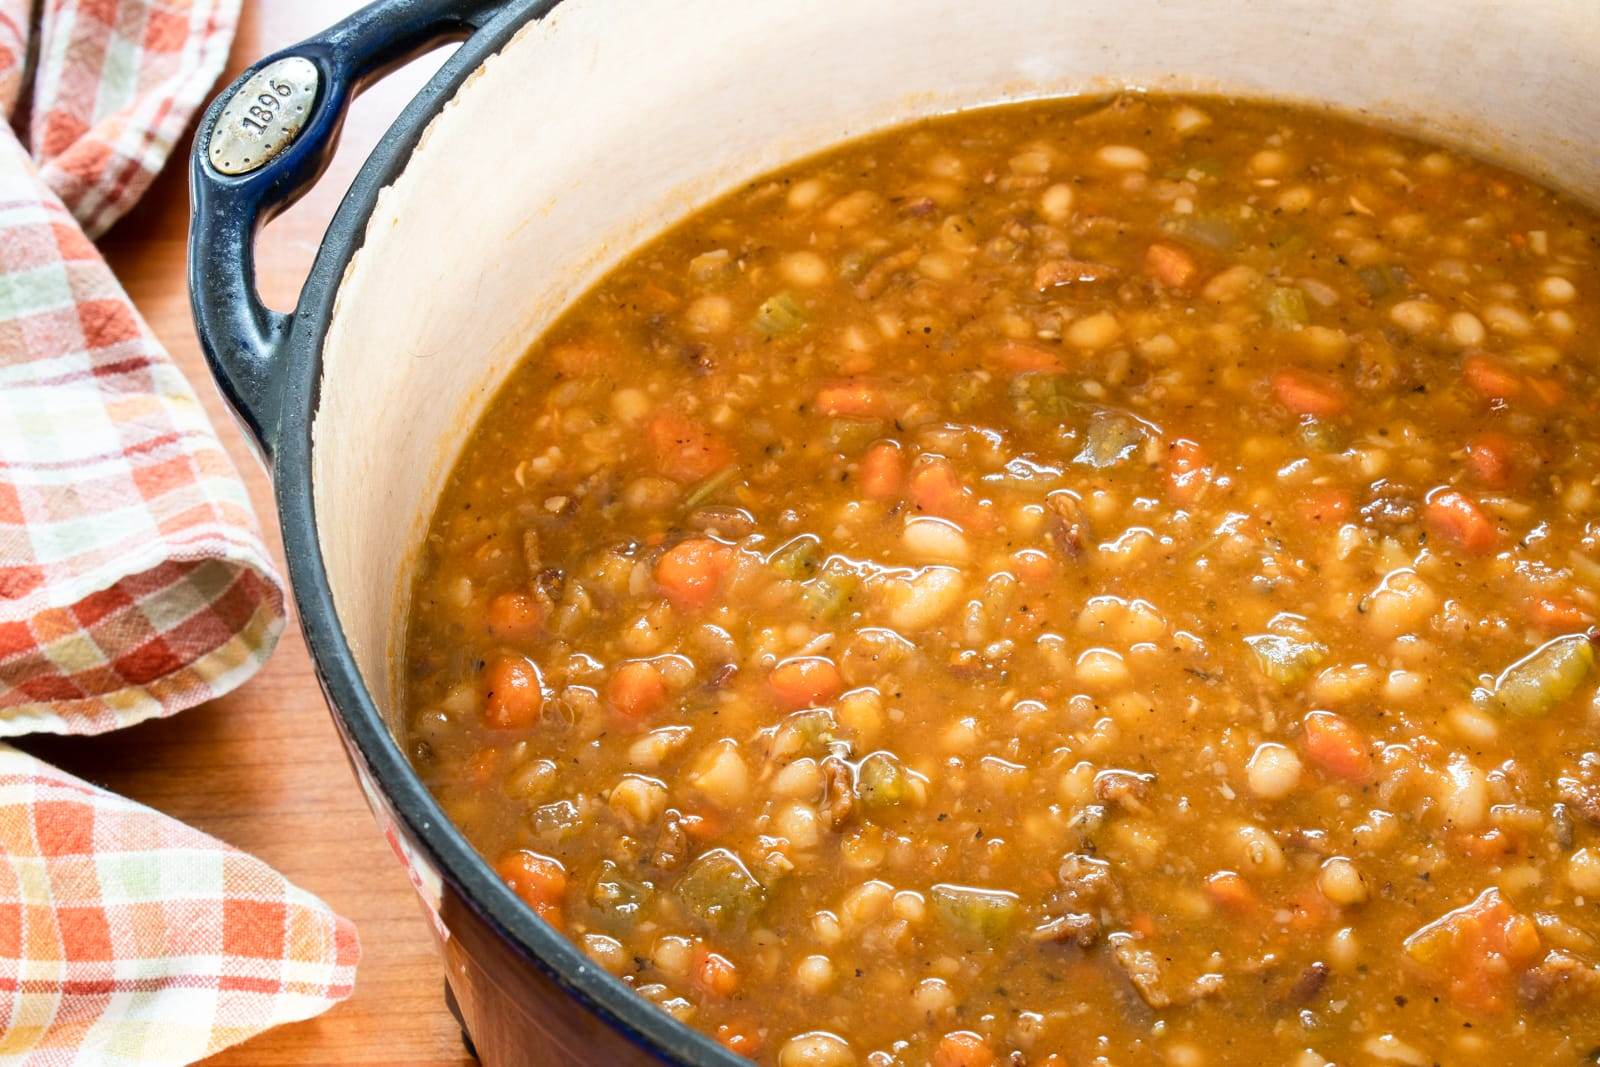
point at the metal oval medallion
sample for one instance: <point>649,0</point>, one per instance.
<point>264,116</point>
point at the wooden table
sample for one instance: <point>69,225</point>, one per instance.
<point>262,768</point>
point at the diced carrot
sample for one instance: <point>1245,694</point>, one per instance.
<point>1187,473</point>
<point>1558,614</point>
<point>1309,909</point>
<point>804,682</point>
<point>1547,391</point>
<point>1169,265</point>
<point>1492,459</point>
<point>1228,888</point>
<point>1018,358</point>
<point>740,1037</point>
<point>1491,378</point>
<point>1337,747</point>
<point>515,617</point>
<point>857,398</point>
<point>1457,518</point>
<point>691,571</point>
<point>577,359</point>
<point>715,974</point>
<point>540,881</point>
<point>1476,952</point>
<point>1307,393</point>
<point>683,450</point>
<point>513,696</point>
<point>1142,923</point>
<point>1485,847</point>
<point>1033,566</point>
<point>701,825</point>
<point>963,1048</point>
<point>1325,503</point>
<point>637,690</point>
<point>936,487</point>
<point>484,766</point>
<point>881,471</point>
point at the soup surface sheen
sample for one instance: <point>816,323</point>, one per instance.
<point>1083,582</point>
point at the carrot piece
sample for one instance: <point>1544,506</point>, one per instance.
<point>1033,566</point>
<point>540,881</point>
<point>1309,909</point>
<point>1492,459</point>
<point>715,974</point>
<point>691,571</point>
<point>963,1048</point>
<point>513,696</point>
<point>804,682</point>
<point>515,617</point>
<point>857,398</point>
<point>1547,391</point>
<point>1491,378</point>
<point>637,690</point>
<point>683,450</point>
<point>1558,614</point>
<point>739,1037</point>
<point>1169,265</point>
<point>1306,393</point>
<point>1019,358</point>
<point>936,487</point>
<point>1336,747</point>
<point>1456,517</point>
<point>881,471</point>
<point>1476,951</point>
<point>1228,888</point>
<point>1187,473</point>
<point>1325,503</point>
<point>578,359</point>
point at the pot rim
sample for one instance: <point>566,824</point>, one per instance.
<point>348,698</point>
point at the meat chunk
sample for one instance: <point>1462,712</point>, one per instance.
<point>839,793</point>
<point>1069,525</point>
<point>1305,986</point>
<point>1390,513</point>
<point>1580,788</point>
<point>672,842</point>
<point>1559,975</point>
<point>1127,789</point>
<point>1087,890</point>
<point>1057,272</point>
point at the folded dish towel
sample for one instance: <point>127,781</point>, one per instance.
<point>133,579</point>
<point>130,940</point>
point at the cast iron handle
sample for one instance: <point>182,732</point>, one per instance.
<point>240,336</point>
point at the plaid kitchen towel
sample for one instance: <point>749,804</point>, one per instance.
<point>129,940</point>
<point>133,579</point>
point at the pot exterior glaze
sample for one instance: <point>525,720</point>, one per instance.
<point>558,137</point>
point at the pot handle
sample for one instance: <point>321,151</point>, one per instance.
<point>261,144</point>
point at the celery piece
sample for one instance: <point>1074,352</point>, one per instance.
<point>1536,684</point>
<point>1319,435</point>
<point>710,487</point>
<point>882,782</point>
<point>797,559</point>
<point>779,315</point>
<point>829,593</point>
<point>1111,438</point>
<point>852,435</point>
<point>1286,661</point>
<point>1209,231</point>
<point>719,889</point>
<point>1041,393</point>
<point>1286,308</point>
<point>1381,280</point>
<point>617,898</point>
<point>988,914</point>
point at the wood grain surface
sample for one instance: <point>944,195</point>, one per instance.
<point>262,768</point>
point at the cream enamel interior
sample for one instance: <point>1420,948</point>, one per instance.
<point>612,118</point>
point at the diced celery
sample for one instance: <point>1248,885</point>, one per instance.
<point>797,559</point>
<point>816,727</point>
<point>1041,393</point>
<point>988,914</point>
<point>617,898</point>
<point>1381,280</point>
<point>1286,661</point>
<point>1320,435</point>
<point>882,782</point>
<point>719,890</point>
<point>966,392</point>
<point>829,593</point>
<point>1536,684</point>
<point>710,487</point>
<point>779,315</point>
<point>1286,308</point>
<point>852,435</point>
<point>1111,438</point>
<point>1210,231</point>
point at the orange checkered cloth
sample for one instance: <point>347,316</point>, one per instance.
<point>133,579</point>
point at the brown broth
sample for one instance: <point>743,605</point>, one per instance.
<point>1043,586</point>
